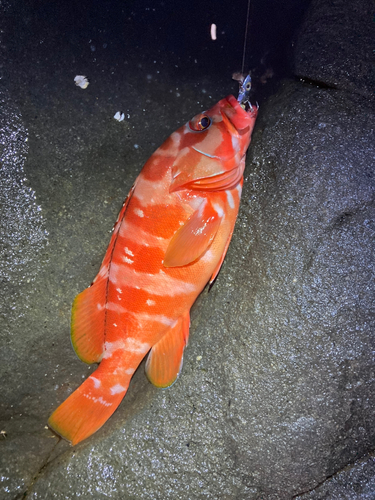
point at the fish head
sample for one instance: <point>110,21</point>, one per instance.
<point>212,147</point>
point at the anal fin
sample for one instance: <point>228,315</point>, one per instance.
<point>164,362</point>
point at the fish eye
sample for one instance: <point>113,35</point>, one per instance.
<point>248,86</point>
<point>204,123</point>
<point>199,123</point>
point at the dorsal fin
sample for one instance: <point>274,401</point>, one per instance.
<point>88,320</point>
<point>89,306</point>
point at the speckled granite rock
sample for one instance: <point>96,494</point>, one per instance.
<point>284,393</point>
<point>334,45</point>
<point>355,483</point>
<point>277,391</point>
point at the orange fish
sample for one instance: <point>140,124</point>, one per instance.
<point>169,240</point>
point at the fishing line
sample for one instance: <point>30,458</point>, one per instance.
<point>244,43</point>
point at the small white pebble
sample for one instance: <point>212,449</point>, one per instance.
<point>81,81</point>
<point>199,358</point>
<point>119,116</point>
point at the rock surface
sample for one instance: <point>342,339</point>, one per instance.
<point>354,483</point>
<point>283,396</point>
<point>335,46</point>
<point>278,385</point>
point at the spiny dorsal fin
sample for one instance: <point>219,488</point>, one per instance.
<point>88,311</point>
<point>88,319</point>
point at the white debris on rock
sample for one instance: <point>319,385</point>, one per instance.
<point>81,81</point>
<point>119,116</point>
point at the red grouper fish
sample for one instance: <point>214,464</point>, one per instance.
<point>169,240</point>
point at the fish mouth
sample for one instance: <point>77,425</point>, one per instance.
<point>237,116</point>
<point>250,108</point>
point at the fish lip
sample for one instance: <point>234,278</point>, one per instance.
<point>242,117</point>
<point>237,106</point>
<point>252,108</point>
<point>234,103</point>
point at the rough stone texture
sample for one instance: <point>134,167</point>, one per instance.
<point>76,163</point>
<point>277,390</point>
<point>22,253</point>
<point>284,394</point>
<point>335,45</point>
<point>353,483</point>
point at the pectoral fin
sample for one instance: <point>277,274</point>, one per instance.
<point>194,237</point>
<point>164,362</point>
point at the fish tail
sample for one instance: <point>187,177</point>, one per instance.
<point>91,405</point>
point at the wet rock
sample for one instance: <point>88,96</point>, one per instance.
<point>335,45</point>
<point>22,231</point>
<point>283,395</point>
<point>277,390</point>
<point>24,442</point>
<point>25,445</point>
<point>67,184</point>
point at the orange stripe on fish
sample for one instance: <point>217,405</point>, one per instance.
<point>169,240</point>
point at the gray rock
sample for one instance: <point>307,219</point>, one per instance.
<point>335,45</point>
<point>58,208</point>
<point>277,391</point>
<point>23,243</point>
<point>284,393</point>
<point>354,483</point>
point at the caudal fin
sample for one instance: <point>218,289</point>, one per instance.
<point>88,408</point>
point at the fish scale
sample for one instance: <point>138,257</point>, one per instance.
<point>169,241</point>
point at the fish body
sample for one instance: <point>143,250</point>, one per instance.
<point>169,240</point>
